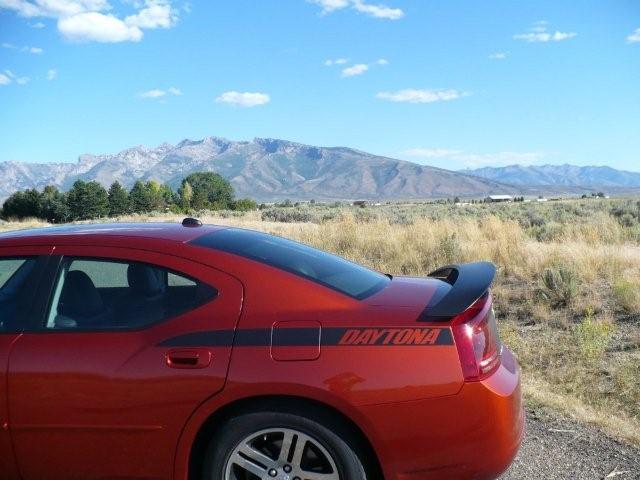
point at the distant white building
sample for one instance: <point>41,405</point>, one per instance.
<point>499,198</point>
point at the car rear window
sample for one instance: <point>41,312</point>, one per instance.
<point>324,268</point>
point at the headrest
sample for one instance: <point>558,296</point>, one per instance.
<point>79,296</point>
<point>145,280</point>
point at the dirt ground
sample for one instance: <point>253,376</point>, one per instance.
<point>558,448</point>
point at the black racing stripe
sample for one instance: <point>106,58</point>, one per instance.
<point>253,337</point>
<point>296,337</point>
<point>300,337</point>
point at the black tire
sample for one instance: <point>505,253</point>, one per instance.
<point>234,430</point>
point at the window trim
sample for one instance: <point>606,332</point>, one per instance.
<point>201,242</point>
<point>53,273</point>
<point>37,277</point>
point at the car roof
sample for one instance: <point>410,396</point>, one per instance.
<point>70,234</point>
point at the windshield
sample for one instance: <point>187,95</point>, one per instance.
<point>321,267</point>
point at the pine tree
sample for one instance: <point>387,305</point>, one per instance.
<point>139,198</point>
<point>118,200</point>
<point>87,201</point>
<point>186,195</point>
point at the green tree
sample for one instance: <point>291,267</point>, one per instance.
<point>53,205</point>
<point>118,200</point>
<point>168,196</point>
<point>210,190</point>
<point>156,196</point>
<point>24,204</point>
<point>245,205</point>
<point>139,198</point>
<point>87,201</point>
<point>185,192</point>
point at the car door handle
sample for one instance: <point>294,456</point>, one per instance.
<point>191,358</point>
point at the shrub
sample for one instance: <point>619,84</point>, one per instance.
<point>593,336</point>
<point>449,248</point>
<point>561,285</point>
<point>627,295</point>
<point>289,215</point>
<point>245,205</point>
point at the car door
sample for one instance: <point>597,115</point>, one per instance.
<point>104,382</point>
<point>19,270</point>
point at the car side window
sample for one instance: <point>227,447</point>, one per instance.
<point>99,294</point>
<point>14,276</point>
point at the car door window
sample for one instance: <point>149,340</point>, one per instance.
<point>97,294</point>
<point>14,275</point>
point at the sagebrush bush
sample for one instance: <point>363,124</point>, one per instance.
<point>627,295</point>
<point>593,336</point>
<point>561,285</point>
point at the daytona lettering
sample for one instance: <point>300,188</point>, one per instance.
<point>390,336</point>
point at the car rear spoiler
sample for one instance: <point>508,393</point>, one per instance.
<point>463,285</point>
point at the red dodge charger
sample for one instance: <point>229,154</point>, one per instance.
<point>162,351</point>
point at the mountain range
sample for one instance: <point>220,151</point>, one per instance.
<point>269,169</point>
<point>559,176</point>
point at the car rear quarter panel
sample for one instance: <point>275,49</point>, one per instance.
<point>358,374</point>
<point>345,377</point>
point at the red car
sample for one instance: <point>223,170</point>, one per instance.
<point>162,351</point>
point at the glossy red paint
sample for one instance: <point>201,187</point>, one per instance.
<point>130,404</point>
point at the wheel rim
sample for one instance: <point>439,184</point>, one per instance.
<point>280,454</point>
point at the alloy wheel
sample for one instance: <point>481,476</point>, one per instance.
<point>280,454</point>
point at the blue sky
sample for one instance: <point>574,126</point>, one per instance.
<point>449,83</point>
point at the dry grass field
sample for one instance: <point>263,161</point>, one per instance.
<point>567,294</point>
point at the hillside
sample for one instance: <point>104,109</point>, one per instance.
<point>265,169</point>
<point>560,176</point>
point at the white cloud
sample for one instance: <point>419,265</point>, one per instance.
<point>337,61</point>
<point>378,11</point>
<point>373,10</point>
<point>544,36</point>
<point>411,95</point>
<point>89,20</point>
<point>156,14</point>
<point>498,56</point>
<point>98,27</point>
<point>499,159</point>
<point>52,74</point>
<point>634,37</point>
<point>159,93</point>
<point>475,160</point>
<point>54,8</point>
<point>37,25</point>
<point>357,69</point>
<point>34,50</point>
<point>329,6</point>
<point>8,76</point>
<point>431,152</point>
<point>538,33</point>
<point>244,99</point>
<point>155,93</point>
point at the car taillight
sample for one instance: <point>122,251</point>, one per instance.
<point>476,335</point>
